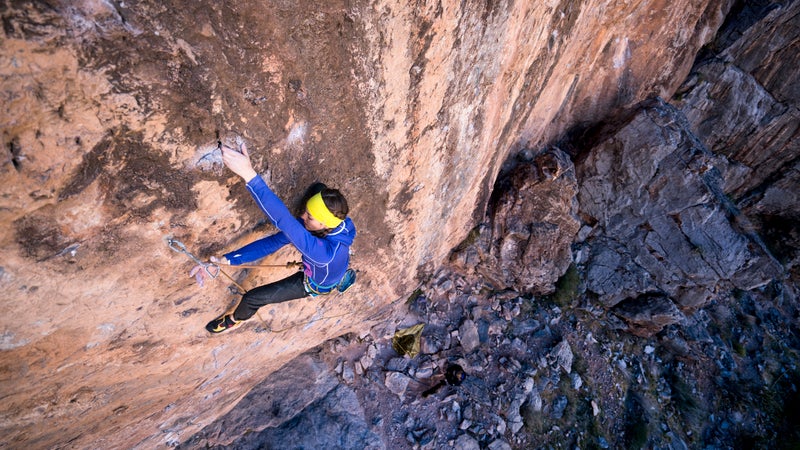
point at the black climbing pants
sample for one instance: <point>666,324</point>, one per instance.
<point>280,291</point>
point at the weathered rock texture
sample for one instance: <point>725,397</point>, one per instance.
<point>110,116</point>
<point>303,404</point>
<point>744,102</point>
<point>686,209</point>
<point>661,223</point>
<point>724,378</point>
<point>669,250</point>
<point>526,245</point>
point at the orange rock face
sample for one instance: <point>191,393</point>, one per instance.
<point>110,116</point>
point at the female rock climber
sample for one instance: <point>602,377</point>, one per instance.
<point>323,235</point>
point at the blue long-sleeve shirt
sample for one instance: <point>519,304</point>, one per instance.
<point>325,259</point>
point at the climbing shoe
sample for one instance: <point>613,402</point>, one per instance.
<point>222,323</point>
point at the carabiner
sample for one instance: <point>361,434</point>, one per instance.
<point>179,247</point>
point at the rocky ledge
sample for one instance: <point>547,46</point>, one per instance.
<point>555,371</point>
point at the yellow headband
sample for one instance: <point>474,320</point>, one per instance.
<point>316,207</point>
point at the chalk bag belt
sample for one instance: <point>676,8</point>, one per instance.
<point>313,289</point>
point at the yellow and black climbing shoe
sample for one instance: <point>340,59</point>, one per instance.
<point>222,323</point>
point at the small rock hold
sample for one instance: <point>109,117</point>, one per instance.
<point>425,437</point>
<point>467,410</point>
<point>577,382</point>
<point>466,442</point>
<point>499,444</point>
<point>562,354</point>
<point>397,383</point>
<point>501,425</point>
<point>527,386</point>
<point>513,415</point>
<point>559,406</point>
<point>347,373</point>
<point>469,337</point>
<point>424,372</point>
<point>429,345</point>
<point>366,362</point>
<point>535,401</point>
<point>676,443</point>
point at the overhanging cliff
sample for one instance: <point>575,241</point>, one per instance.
<point>111,113</point>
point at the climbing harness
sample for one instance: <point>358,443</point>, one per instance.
<point>313,289</point>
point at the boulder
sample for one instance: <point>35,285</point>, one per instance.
<point>648,314</point>
<point>533,224</point>
<point>661,222</point>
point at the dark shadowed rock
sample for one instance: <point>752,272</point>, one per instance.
<point>744,102</point>
<point>661,223</point>
<point>648,314</point>
<point>335,421</point>
<point>468,336</point>
<point>533,224</point>
<point>286,393</point>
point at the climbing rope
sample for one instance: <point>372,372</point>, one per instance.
<point>213,270</point>
<point>288,265</point>
<point>304,322</point>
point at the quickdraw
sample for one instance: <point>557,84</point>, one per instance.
<point>213,270</point>
<point>179,247</point>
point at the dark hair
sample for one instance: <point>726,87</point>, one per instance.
<point>335,202</point>
<point>333,199</point>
